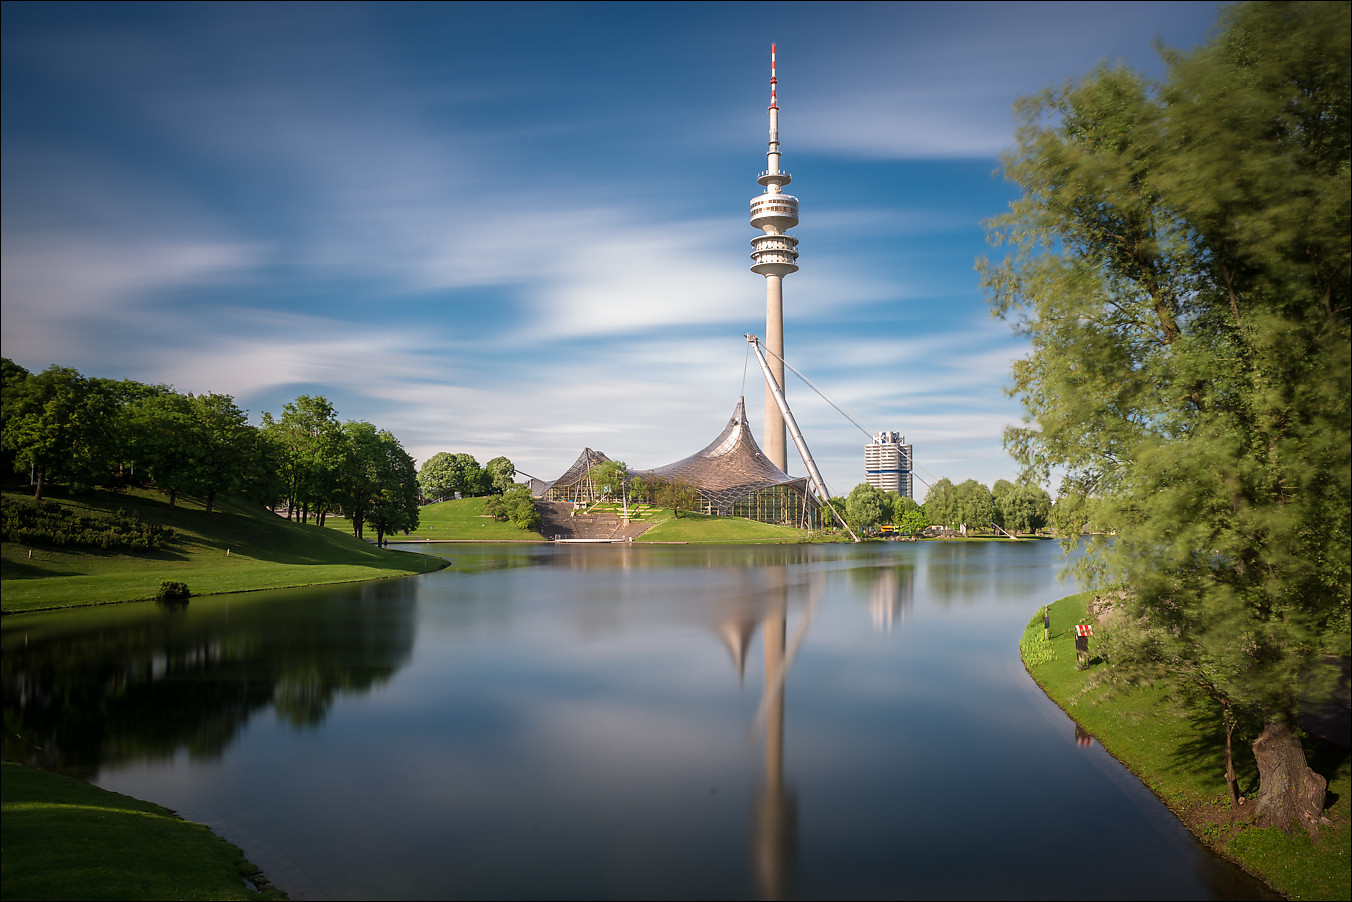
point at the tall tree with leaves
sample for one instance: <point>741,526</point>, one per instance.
<point>222,446</point>
<point>308,436</point>
<point>1180,262</point>
<point>60,425</point>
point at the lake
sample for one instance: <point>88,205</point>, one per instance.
<point>615,722</point>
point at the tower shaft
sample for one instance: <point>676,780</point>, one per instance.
<point>776,444</point>
<point>775,254</point>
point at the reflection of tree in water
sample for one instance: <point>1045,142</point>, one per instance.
<point>189,681</point>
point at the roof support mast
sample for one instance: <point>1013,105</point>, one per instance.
<point>797,435</point>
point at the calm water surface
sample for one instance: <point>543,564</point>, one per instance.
<point>609,721</point>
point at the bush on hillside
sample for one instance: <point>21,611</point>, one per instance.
<point>172,591</point>
<point>49,523</point>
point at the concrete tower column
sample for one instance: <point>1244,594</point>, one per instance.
<point>775,254</point>
<point>776,435</point>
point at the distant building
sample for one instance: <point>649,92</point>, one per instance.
<point>887,463</point>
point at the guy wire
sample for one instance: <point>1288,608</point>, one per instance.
<point>812,385</point>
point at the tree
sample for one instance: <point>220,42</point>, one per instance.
<point>866,507</point>
<point>377,481</point>
<point>501,474</point>
<point>438,476</point>
<point>160,435</point>
<point>60,425</point>
<point>611,478</point>
<point>393,504</point>
<point>906,514</point>
<point>940,503</point>
<point>1019,507</point>
<point>1180,263</point>
<point>516,505</point>
<point>444,474</point>
<point>221,444</point>
<point>308,436</point>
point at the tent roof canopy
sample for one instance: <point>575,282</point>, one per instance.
<point>732,466</point>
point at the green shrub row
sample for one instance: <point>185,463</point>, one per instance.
<point>49,523</point>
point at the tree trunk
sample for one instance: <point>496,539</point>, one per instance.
<point>1230,782</point>
<point>37,493</point>
<point>173,496</point>
<point>211,499</point>
<point>1289,792</point>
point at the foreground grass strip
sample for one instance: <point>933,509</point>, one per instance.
<point>66,839</point>
<point>240,547</point>
<point>1182,762</point>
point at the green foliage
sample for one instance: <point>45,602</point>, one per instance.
<point>49,523</point>
<point>1020,507</point>
<point>906,514</point>
<point>469,519</point>
<point>265,552</point>
<point>611,478</point>
<point>675,494</point>
<point>1180,756</point>
<point>307,442</point>
<point>377,481</point>
<point>866,507</point>
<point>501,474</point>
<point>172,590</point>
<point>444,474</point>
<point>515,505</point>
<point>59,425</point>
<point>1034,648</point>
<point>959,507</point>
<point>1180,263</point>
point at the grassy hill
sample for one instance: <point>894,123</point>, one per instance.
<point>456,521</point>
<point>693,527</point>
<point>240,547</point>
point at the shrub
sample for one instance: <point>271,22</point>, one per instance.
<point>171,590</point>
<point>49,523</point>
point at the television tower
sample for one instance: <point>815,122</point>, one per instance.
<point>775,254</point>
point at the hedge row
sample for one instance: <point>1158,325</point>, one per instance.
<point>49,523</point>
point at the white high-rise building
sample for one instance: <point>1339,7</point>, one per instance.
<point>775,254</point>
<point>887,463</point>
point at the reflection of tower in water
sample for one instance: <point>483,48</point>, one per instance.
<point>776,808</point>
<point>892,594</point>
<point>774,828</point>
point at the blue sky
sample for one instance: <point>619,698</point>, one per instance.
<point>521,229</point>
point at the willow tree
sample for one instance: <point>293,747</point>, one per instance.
<point>1179,259</point>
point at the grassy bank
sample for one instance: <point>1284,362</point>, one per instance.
<point>1182,762</point>
<point>695,528</point>
<point>66,839</point>
<point>240,547</point>
<point>458,521</point>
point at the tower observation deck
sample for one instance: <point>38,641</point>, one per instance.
<point>774,255</point>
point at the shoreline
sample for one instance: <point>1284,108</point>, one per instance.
<point>1288,864</point>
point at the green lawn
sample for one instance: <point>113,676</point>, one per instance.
<point>1182,762</point>
<point>66,839</point>
<point>240,547</point>
<point>691,527</point>
<point>454,520</point>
